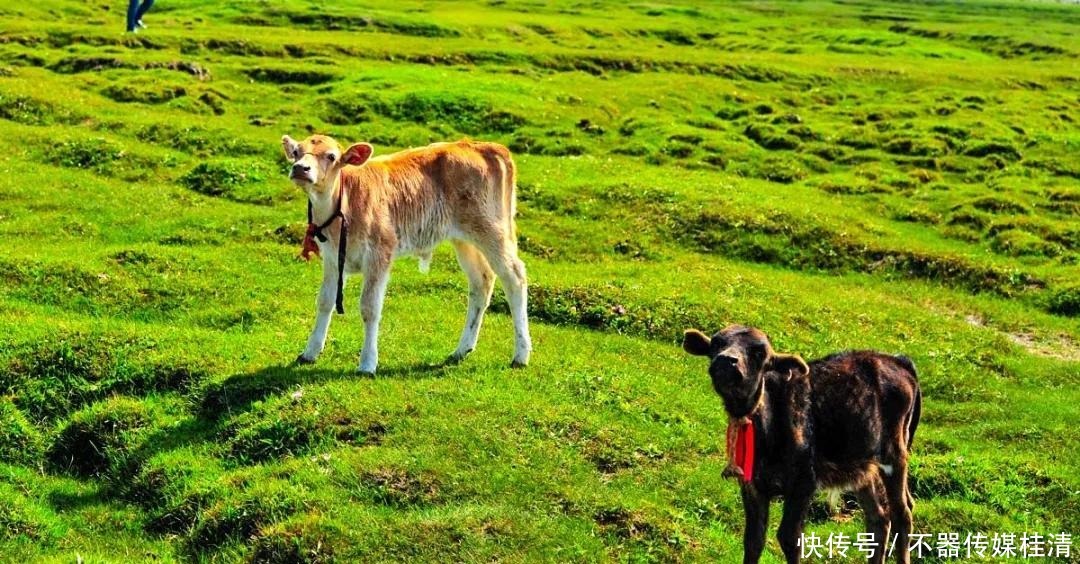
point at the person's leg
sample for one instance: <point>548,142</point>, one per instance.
<point>132,14</point>
<point>145,7</point>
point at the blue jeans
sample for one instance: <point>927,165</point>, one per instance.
<point>136,11</point>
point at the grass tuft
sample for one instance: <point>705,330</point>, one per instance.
<point>20,441</point>
<point>97,440</point>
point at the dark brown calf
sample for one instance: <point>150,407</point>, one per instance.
<point>846,421</point>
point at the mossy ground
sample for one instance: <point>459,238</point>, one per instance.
<point>875,175</point>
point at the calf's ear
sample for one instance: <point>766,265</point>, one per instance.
<point>695,342</point>
<point>357,154</point>
<point>290,146</point>
<point>789,365</point>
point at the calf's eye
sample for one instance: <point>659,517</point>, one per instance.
<point>330,157</point>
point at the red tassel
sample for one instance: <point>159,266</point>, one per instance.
<point>744,450</point>
<point>309,247</point>
<point>740,449</point>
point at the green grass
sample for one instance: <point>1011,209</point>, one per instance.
<point>870,175</point>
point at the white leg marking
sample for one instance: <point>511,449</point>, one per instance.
<point>371,305</point>
<point>324,311</point>
<point>833,499</point>
<point>512,274</point>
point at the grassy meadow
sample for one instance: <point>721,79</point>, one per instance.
<point>847,174</point>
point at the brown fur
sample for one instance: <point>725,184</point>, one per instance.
<point>407,203</point>
<point>399,196</point>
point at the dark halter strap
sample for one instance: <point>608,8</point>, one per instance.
<point>342,235</point>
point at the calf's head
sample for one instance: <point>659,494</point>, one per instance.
<point>317,160</point>
<point>739,359</point>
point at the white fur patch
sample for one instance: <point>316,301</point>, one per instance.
<point>886,468</point>
<point>832,498</point>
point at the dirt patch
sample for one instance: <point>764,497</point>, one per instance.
<point>294,542</point>
<point>658,535</point>
<point>1062,346</point>
<point>399,487</point>
<point>622,522</point>
<point>611,452</point>
<point>1059,346</point>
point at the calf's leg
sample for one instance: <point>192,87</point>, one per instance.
<point>481,283</point>
<point>371,304</point>
<point>791,524</point>
<point>900,506</point>
<point>501,252</point>
<point>756,508</point>
<point>872,499</point>
<point>324,312</point>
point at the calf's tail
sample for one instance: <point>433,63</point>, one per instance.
<point>916,412</point>
<point>510,195</point>
<point>916,408</point>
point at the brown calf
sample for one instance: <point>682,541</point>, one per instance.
<point>843,422</point>
<point>407,203</point>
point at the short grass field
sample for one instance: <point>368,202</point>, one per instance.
<point>847,174</point>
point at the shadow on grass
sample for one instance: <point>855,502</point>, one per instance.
<point>186,432</point>
<point>238,392</point>
<point>64,500</point>
<point>415,371</point>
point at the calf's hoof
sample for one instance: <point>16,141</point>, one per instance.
<point>521,358</point>
<point>367,368</point>
<point>301,360</point>
<point>456,357</point>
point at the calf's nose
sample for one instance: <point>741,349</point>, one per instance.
<point>725,360</point>
<point>300,167</point>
